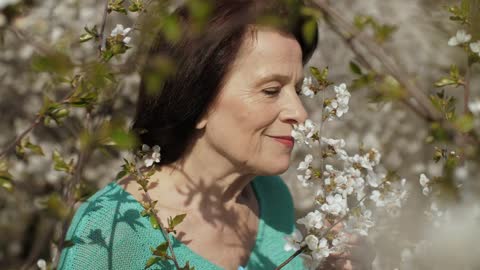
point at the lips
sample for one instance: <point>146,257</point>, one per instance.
<point>286,140</point>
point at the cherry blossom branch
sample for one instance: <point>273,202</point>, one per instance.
<point>83,157</point>
<point>159,221</point>
<point>298,252</point>
<point>102,41</point>
<point>365,63</point>
<point>431,114</point>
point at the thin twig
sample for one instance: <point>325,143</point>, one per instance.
<point>298,252</point>
<point>159,221</point>
<point>466,93</point>
<point>14,143</point>
<point>366,64</point>
<point>411,88</point>
<point>83,157</point>
<point>101,44</point>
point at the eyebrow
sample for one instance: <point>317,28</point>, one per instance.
<point>278,77</point>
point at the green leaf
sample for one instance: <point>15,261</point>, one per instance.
<point>161,250</point>
<point>35,148</point>
<point>56,206</point>
<point>123,139</point>
<point>309,31</point>
<point>444,82</point>
<point>6,183</point>
<point>465,123</point>
<point>171,28</point>
<point>176,220</point>
<point>151,261</point>
<point>355,68</point>
<point>86,37</point>
<point>187,266</point>
<point>60,164</point>
<point>54,62</point>
<point>154,222</point>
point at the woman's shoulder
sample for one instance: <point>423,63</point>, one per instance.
<point>105,228</point>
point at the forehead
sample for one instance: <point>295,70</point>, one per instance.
<point>265,51</point>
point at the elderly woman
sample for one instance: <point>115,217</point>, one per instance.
<point>223,121</point>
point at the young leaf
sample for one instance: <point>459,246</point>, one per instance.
<point>154,222</point>
<point>60,164</point>
<point>6,183</point>
<point>355,68</point>
<point>176,220</point>
<point>151,261</point>
<point>161,250</point>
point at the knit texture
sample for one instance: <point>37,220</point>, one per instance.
<point>108,232</point>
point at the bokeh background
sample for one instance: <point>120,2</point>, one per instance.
<point>30,216</point>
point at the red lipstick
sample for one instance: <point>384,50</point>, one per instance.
<point>286,140</point>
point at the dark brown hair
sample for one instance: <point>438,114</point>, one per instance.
<point>168,117</point>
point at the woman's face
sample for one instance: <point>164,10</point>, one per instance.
<point>258,102</point>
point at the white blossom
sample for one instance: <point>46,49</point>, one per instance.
<point>460,37</point>
<point>42,264</point>
<point>474,106</point>
<point>304,179</point>
<point>319,248</point>
<point>306,163</point>
<point>303,133</point>
<point>313,220</point>
<point>152,156</point>
<point>475,47</point>
<point>335,205</point>
<point>307,87</point>
<point>424,182</point>
<point>293,241</point>
<point>119,30</point>
<point>339,104</point>
<point>337,146</point>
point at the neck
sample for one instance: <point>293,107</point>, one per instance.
<point>205,179</point>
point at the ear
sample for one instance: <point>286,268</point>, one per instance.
<point>201,124</point>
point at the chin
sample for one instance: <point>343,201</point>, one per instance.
<point>280,168</point>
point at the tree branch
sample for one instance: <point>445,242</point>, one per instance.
<point>431,114</point>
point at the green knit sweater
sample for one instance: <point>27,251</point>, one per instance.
<point>108,232</point>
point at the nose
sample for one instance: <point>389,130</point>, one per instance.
<point>293,112</point>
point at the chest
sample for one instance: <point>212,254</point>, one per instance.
<point>225,240</point>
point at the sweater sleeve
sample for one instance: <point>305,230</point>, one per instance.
<point>279,221</point>
<point>108,232</point>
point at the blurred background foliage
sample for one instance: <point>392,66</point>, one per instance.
<point>70,87</point>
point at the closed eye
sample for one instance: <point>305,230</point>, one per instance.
<point>271,91</point>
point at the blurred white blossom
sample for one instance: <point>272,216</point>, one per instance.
<point>460,37</point>
<point>475,47</point>
<point>119,30</point>
<point>307,87</point>
<point>424,182</point>
<point>152,155</point>
<point>5,3</point>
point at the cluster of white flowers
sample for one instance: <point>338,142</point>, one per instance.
<point>424,182</point>
<point>305,166</point>
<point>307,87</point>
<point>151,155</point>
<point>336,190</point>
<point>462,37</point>
<point>339,105</point>
<point>119,30</point>
<point>304,133</point>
